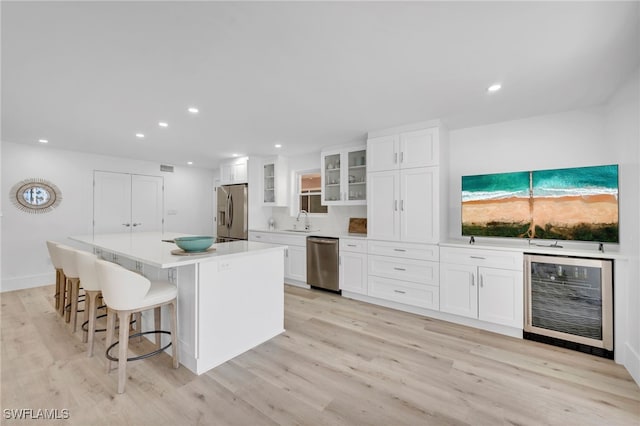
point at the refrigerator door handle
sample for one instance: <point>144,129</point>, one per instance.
<point>230,202</point>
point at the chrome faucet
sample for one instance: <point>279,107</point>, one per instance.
<point>306,219</point>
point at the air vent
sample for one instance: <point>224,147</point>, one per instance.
<point>165,168</point>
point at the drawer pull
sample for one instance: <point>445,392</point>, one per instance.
<point>477,257</point>
<point>399,250</point>
<point>400,291</point>
<point>351,245</point>
<point>399,269</point>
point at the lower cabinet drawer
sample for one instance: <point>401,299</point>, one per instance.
<point>418,271</point>
<point>423,296</point>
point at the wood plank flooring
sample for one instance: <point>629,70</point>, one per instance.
<point>340,362</point>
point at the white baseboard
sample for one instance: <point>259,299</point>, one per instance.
<point>632,362</point>
<point>28,281</point>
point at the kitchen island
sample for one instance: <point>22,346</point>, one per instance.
<point>230,299</point>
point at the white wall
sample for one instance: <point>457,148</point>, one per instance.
<point>604,135</point>
<point>622,131</point>
<point>25,261</point>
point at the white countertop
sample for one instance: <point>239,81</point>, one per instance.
<point>311,233</point>
<point>148,248</point>
<point>564,248</point>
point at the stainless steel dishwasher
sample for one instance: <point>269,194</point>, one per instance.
<point>322,263</point>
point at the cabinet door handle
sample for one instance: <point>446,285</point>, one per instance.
<point>477,257</point>
<point>402,205</point>
<point>137,224</point>
<point>403,250</point>
<point>395,158</point>
<point>395,205</point>
<point>286,252</point>
<point>473,280</point>
<point>402,157</point>
<point>127,224</point>
<point>400,291</point>
<point>481,282</point>
<point>399,269</point>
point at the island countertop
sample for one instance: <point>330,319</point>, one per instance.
<point>148,248</point>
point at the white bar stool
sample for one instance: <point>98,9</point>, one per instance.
<point>60,278</point>
<point>126,292</point>
<point>70,269</point>
<point>86,263</point>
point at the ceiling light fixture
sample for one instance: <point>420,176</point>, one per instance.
<point>494,88</point>
<point>235,155</point>
<point>163,124</point>
<point>140,135</point>
<point>189,162</point>
<point>43,141</point>
<point>193,110</point>
<point>278,145</point>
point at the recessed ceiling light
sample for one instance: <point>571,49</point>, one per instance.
<point>235,155</point>
<point>140,135</point>
<point>278,145</point>
<point>43,141</point>
<point>163,124</point>
<point>189,162</point>
<point>494,88</point>
<point>193,110</point>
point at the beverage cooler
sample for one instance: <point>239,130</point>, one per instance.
<point>569,302</point>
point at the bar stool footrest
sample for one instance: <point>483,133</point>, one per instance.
<point>147,355</point>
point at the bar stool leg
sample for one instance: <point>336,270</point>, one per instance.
<point>157,321</point>
<point>174,332</point>
<point>111,328</point>
<point>69,297</point>
<point>56,296</point>
<point>123,346</point>
<point>63,293</point>
<point>91,311</point>
<point>75,291</point>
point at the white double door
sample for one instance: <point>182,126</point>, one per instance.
<point>124,202</point>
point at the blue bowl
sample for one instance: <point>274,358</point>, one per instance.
<point>194,244</point>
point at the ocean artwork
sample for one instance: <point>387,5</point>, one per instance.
<point>561,204</point>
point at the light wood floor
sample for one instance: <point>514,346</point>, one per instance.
<point>340,362</point>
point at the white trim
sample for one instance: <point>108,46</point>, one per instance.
<point>28,281</point>
<point>632,362</point>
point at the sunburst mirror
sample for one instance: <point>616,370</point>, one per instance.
<point>35,195</point>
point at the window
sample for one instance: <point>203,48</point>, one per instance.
<point>309,192</point>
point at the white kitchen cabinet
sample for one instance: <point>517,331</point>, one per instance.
<point>402,205</point>
<point>344,176</point>
<point>419,148</point>
<point>482,284</point>
<point>353,265</point>
<point>234,171</point>
<point>295,263</point>
<point>295,257</point>
<point>274,182</point>
<point>404,273</point>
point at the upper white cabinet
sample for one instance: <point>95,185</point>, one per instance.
<point>234,171</point>
<point>344,176</point>
<point>274,181</point>
<point>405,201</point>
<point>402,205</point>
<point>419,148</point>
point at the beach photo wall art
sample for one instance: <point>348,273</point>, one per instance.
<point>578,203</point>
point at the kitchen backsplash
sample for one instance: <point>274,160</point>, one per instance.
<point>335,222</point>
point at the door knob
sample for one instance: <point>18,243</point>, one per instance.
<point>127,224</point>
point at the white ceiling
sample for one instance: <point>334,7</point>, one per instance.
<point>88,76</point>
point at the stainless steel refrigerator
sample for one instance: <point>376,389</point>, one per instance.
<point>232,212</point>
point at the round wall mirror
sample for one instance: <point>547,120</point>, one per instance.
<point>35,196</point>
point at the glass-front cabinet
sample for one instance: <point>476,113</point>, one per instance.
<point>344,176</point>
<point>274,181</point>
